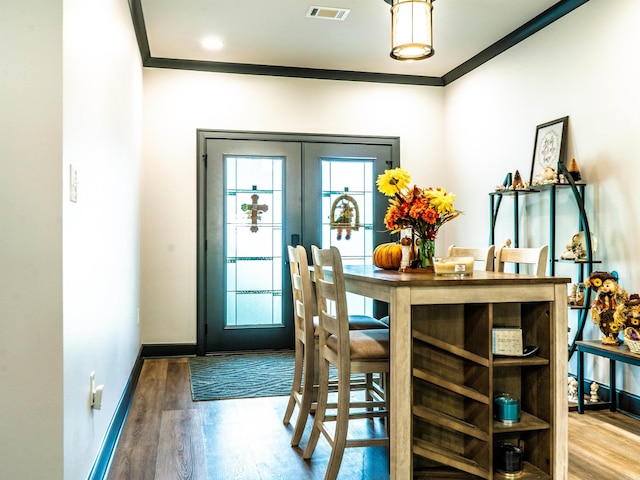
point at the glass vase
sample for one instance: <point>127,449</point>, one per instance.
<point>426,252</point>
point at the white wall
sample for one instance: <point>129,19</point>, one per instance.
<point>68,272</point>
<point>102,138</point>
<point>585,66</point>
<point>31,369</point>
<point>177,103</point>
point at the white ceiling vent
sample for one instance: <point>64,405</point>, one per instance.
<point>328,13</point>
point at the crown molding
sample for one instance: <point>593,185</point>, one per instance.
<point>534,25</point>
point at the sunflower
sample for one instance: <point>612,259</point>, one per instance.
<point>615,327</point>
<point>442,200</point>
<point>596,282</point>
<point>393,181</point>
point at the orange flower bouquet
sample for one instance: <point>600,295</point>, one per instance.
<point>424,210</point>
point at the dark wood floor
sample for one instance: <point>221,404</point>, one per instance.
<point>167,436</point>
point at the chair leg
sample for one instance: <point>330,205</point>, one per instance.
<point>376,387</point>
<point>368,385</point>
<point>307,396</point>
<point>297,379</point>
<point>323,396</point>
<point>342,426</point>
<point>384,381</point>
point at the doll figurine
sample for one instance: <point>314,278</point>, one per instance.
<point>405,261</point>
<point>593,397</point>
<point>609,295</point>
<point>572,387</point>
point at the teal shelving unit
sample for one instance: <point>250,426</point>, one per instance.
<point>584,266</point>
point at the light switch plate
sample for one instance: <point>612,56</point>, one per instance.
<point>73,183</point>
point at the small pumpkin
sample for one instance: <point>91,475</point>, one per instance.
<point>388,256</point>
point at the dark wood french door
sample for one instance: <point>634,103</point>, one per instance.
<point>259,193</point>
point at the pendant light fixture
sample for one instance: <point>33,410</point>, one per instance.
<point>411,29</point>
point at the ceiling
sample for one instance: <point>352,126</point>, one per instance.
<point>275,37</point>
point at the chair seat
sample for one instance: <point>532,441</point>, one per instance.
<point>357,322</point>
<point>365,344</point>
<point>365,322</point>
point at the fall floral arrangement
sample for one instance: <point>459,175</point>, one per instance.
<point>424,210</point>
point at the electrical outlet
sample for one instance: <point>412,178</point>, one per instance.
<point>92,383</point>
<point>97,397</point>
<point>95,393</point>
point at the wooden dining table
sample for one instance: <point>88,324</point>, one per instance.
<point>484,295</point>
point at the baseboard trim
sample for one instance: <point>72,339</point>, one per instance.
<point>628,403</point>
<point>169,350</point>
<point>105,454</point>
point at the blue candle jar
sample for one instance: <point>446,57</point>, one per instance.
<point>506,408</point>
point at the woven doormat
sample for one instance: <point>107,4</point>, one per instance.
<point>241,375</point>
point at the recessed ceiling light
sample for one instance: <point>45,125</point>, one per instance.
<point>212,43</point>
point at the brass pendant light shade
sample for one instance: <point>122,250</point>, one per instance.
<point>411,29</point>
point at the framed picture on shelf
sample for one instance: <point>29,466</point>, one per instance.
<point>548,150</point>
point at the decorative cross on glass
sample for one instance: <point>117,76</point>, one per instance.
<point>254,211</point>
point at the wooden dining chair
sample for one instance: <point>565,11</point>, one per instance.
<point>483,255</point>
<point>536,257</point>
<point>350,352</point>
<point>305,377</point>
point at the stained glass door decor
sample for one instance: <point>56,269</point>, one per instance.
<point>253,210</point>
<point>345,216</point>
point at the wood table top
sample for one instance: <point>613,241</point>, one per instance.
<point>417,279</point>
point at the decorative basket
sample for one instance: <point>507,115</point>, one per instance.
<point>631,338</point>
<point>634,345</point>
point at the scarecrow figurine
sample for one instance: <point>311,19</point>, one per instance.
<point>345,216</point>
<point>628,315</point>
<point>609,295</point>
<point>344,220</point>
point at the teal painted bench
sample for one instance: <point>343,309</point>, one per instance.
<point>615,353</point>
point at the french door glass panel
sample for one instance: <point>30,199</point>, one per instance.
<point>253,230</point>
<point>349,180</point>
<point>252,193</point>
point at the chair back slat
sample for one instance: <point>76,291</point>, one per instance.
<point>483,255</point>
<point>302,289</point>
<point>537,257</point>
<point>332,296</point>
<point>325,292</point>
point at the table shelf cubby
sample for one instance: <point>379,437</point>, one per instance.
<point>455,379</point>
